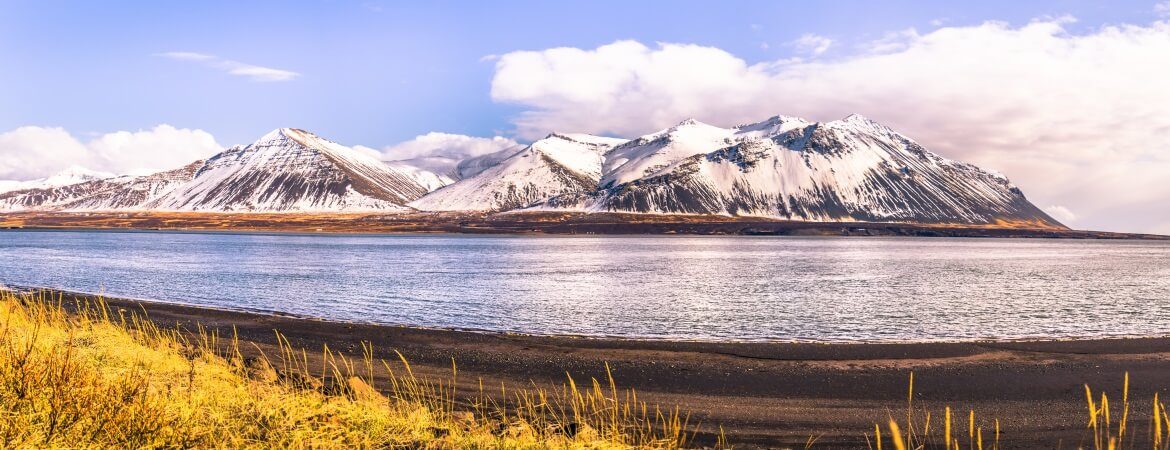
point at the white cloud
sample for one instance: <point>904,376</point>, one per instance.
<point>894,41</point>
<point>251,71</point>
<point>1162,8</point>
<point>187,56</point>
<point>440,152</point>
<point>1064,215</point>
<point>812,44</point>
<point>35,152</point>
<point>257,73</point>
<point>446,144</point>
<point>146,151</point>
<point>1079,120</point>
<point>624,87</point>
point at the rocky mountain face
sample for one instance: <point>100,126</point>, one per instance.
<point>286,170</point>
<point>786,168</point>
<point>556,165</point>
<point>112,193</point>
<point>72,175</point>
<point>293,170</point>
<point>848,170</point>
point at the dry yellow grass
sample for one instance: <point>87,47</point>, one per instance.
<point>1101,432</point>
<point>94,380</point>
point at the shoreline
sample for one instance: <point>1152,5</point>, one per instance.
<point>587,337</point>
<point>528,223</point>
<point>762,394</point>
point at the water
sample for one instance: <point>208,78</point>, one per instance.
<point>703,288</point>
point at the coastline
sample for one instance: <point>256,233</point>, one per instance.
<point>762,393</point>
<point>527,223</point>
<point>578,338</point>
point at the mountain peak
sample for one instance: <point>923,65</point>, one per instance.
<point>691,123</point>
<point>860,122</point>
<point>688,126</point>
<point>300,137</point>
<point>860,119</point>
<point>274,135</point>
<point>74,174</point>
<point>284,133</point>
<point>556,135</point>
<point>587,139</point>
<point>772,126</point>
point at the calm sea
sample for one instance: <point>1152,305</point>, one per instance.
<point>678,287</point>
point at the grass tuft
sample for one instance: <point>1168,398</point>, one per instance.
<point>93,377</point>
<point>88,376</point>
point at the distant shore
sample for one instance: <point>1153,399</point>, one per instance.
<point>523,223</point>
<point>762,394</point>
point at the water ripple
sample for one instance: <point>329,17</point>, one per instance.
<point>677,287</point>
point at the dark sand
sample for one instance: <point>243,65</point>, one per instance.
<point>765,394</point>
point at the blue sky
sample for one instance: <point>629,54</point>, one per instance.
<point>1067,98</point>
<point>380,72</point>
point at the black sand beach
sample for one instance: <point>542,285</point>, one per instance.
<point>762,394</point>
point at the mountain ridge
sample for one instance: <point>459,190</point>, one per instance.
<point>782,168</point>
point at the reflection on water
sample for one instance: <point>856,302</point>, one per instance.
<point>749,288</point>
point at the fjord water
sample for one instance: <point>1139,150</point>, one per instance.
<point>679,287</point>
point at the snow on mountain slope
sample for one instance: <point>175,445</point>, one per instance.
<point>427,179</point>
<point>74,175</point>
<point>473,166</point>
<point>123,192</point>
<point>552,166</point>
<point>446,163</point>
<point>852,169</point>
<point>71,175</point>
<point>647,154</point>
<point>848,170</point>
<point>294,170</point>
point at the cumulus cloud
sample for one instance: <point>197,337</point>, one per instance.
<point>1061,213</point>
<point>441,152</point>
<point>812,44</point>
<point>251,71</point>
<point>624,88</point>
<point>1079,120</point>
<point>146,151</point>
<point>35,152</point>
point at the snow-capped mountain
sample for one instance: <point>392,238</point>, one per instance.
<point>293,170</point>
<point>647,154</point>
<point>425,178</point>
<point>124,192</point>
<point>71,175</point>
<point>783,168</point>
<point>450,165</point>
<point>847,170</point>
<point>558,164</point>
<point>286,170</point>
